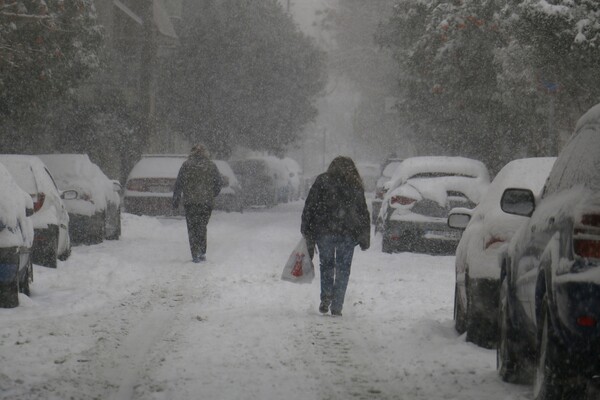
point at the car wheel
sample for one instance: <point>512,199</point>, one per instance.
<point>479,330</point>
<point>9,294</point>
<point>459,313</point>
<point>510,367</point>
<point>50,253</point>
<point>550,375</point>
<point>386,245</point>
<point>27,277</point>
<point>117,233</point>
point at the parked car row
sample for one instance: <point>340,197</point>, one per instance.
<point>528,268</point>
<point>258,181</point>
<point>38,212</point>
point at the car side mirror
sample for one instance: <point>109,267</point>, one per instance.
<point>69,194</point>
<point>458,219</point>
<point>518,202</point>
<point>28,212</point>
<point>117,186</point>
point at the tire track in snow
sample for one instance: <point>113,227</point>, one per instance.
<point>345,368</point>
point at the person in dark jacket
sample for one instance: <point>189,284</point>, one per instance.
<point>200,182</point>
<point>336,218</point>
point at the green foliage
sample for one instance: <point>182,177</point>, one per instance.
<point>243,75</point>
<point>46,48</point>
<point>480,76</point>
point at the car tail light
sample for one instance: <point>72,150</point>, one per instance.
<point>379,193</point>
<point>136,185</point>
<point>492,241</point>
<point>86,197</point>
<point>586,321</point>
<point>402,200</point>
<point>38,201</point>
<point>586,236</point>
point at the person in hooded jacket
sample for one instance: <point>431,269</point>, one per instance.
<point>200,182</point>
<point>336,219</point>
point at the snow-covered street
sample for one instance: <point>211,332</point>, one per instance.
<point>136,319</point>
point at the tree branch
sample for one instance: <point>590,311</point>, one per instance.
<point>25,16</point>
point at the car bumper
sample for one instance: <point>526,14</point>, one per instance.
<point>151,205</point>
<point>426,236</point>
<point>575,301</point>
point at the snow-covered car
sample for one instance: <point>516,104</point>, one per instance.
<point>150,184</point>
<point>50,217</point>
<point>95,214</point>
<point>230,196</point>
<point>259,184</point>
<point>386,174</point>
<point>549,317</point>
<point>369,174</point>
<point>486,230</point>
<point>16,239</point>
<point>421,193</point>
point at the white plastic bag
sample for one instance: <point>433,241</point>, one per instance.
<point>299,267</point>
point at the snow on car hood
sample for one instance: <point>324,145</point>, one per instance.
<point>78,172</point>
<point>438,164</point>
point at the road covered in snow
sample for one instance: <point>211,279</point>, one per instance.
<point>136,319</point>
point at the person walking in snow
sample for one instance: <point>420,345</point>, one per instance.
<point>336,219</point>
<point>200,182</point>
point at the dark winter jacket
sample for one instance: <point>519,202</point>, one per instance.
<point>199,180</point>
<point>335,207</point>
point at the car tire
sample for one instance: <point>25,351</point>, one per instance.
<point>9,294</point>
<point>479,330</point>
<point>510,367</point>
<point>459,313</point>
<point>27,277</point>
<point>117,234</point>
<point>50,253</point>
<point>550,375</point>
<point>386,245</point>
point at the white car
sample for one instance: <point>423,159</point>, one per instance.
<point>477,255</point>
<point>50,217</point>
<point>16,239</point>
<point>95,214</point>
<point>423,190</point>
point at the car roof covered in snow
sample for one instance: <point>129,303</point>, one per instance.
<point>158,166</point>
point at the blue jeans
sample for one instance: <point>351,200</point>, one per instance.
<point>335,256</point>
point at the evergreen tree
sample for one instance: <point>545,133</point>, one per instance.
<point>243,75</point>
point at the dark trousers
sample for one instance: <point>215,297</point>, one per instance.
<point>197,216</point>
<point>335,256</point>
